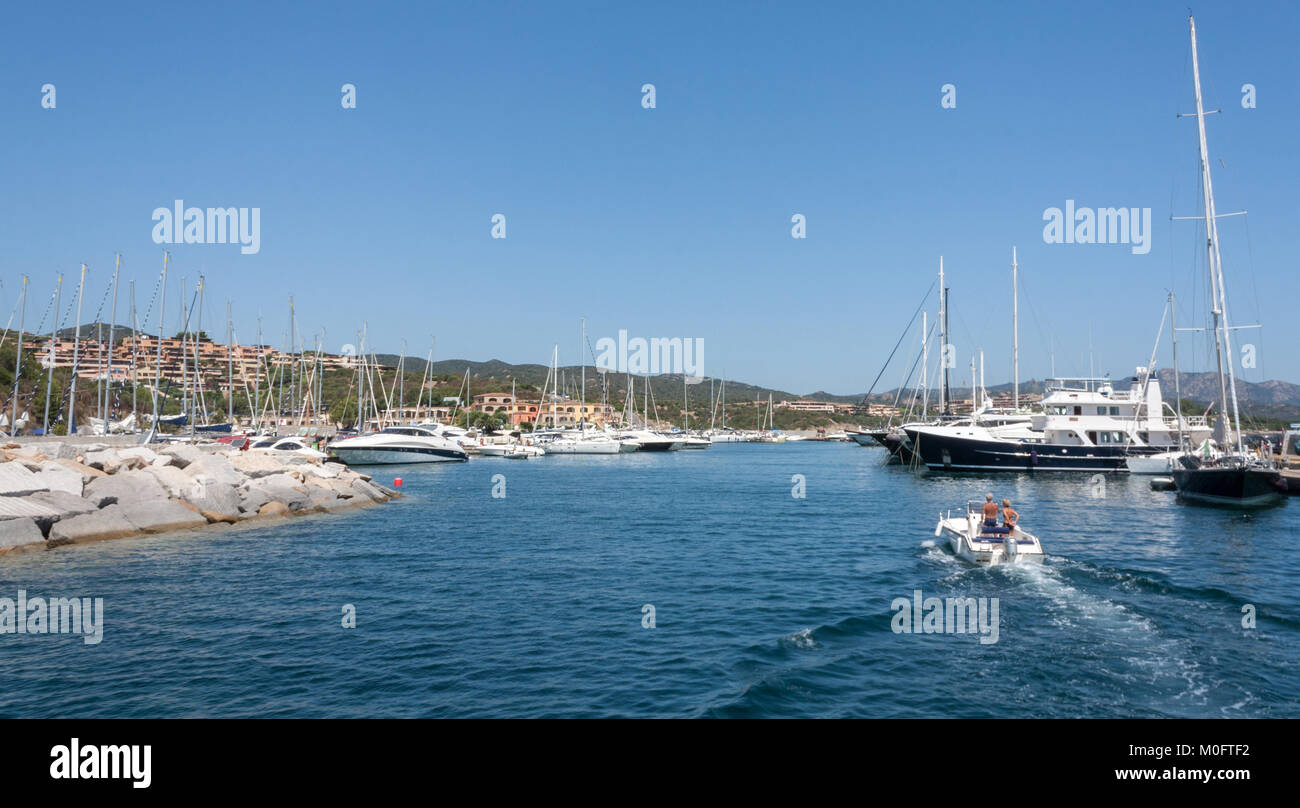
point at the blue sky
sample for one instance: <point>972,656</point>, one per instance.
<point>673,221</point>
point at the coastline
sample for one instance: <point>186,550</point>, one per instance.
<point>55,493</point>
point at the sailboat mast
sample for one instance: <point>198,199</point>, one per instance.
<point>54,338</point>
<point>230,367</point>
<point>582,356</point>
<point>1178,392</point>
<point>135,359</point>
<point>925,364</point>
<point>112,328</point>
<point>943,341</point>
<point>76,352</point>
<point>157,372</point>
<point>18,360</point>
<point>1015,331</point>
<point>1222,337</point>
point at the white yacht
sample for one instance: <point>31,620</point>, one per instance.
<point>647,441</point>
<point>1086,425</point>
<point>399,444</point>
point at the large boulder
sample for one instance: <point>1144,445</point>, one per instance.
<point>105,523</point>
<point>214,468</point>
<point>19,532</point>
<point>54,476</point>
<point>323,470</point>
<point>161,515</point>
<point>182,454</point>
<point>216,498</point>
<point>273,509</point>
<point>145,454</point>
<point>173,480</point>
<point>106,460</point>
<point>63,503</point>
<point>369,491</point>
<point>17,480</point>
<point>128,486</point>
<point>87,473</point>
<point>251,501</point>
<point>256,464</point>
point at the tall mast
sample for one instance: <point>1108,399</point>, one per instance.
<point>157,373</point>
<point>257,377</point>
<point>135,359</point>
<point>1222,334</point>
<point>76,352</point>
<point>582,356</point>
<point>1015,331</point>
<point>943,341</point>
<point>54,338</point>
<point>18,360</point>
<point>112,326</point>
<point>230,367</point>
<point>1178,392</point>
<point>925,362</point>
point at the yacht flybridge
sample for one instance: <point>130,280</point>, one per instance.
<point>1086,425</point>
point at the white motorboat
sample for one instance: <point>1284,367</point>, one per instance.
<point>291,445</point>
<point>399,444</point>
<point>590,444</point>
<point>972,540</point>
<point>510,450</point>
<point>647,441</point>
<point>726,435</point>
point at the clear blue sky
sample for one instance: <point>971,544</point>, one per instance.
<point>666,222</point>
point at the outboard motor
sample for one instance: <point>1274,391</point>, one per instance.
<point>1010,547</point>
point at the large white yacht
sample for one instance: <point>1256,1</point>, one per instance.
<point>1086,425</point>
<point>399,444</point>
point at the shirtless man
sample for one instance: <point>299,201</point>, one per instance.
<point>1009,516</point>
<point>990,511</point>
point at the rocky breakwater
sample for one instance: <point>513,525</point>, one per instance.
<point>57,493</point>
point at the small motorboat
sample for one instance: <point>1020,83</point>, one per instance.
<point>521,452</point>
<point>972,540</point>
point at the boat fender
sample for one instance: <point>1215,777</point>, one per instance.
<point>938,529</point>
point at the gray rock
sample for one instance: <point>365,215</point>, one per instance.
<point>55,477</point>
<point>256,464</point>
<point>161,515</point>
<point>17,480</point>
<point>369,490</point>
<point>144,453</point>
<point>252,500</point>
<point>214,468</point>
<point>128,486</point>
<point>64,503</point>
<point>18,533</point>
<point>182,454</point>
<point>105,523</point>
<point>218,498</point>
<point>172,479</point>
<point>106,460</point>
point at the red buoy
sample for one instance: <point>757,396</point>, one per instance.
<point>397,483</point>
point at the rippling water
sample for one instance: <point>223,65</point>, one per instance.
<point>765,604</point>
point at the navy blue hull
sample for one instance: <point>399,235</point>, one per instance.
<point>969,454</point>
<point>1230,487</point>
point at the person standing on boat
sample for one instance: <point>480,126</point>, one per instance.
<point>990,511</point>
<point>1009,516</point>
